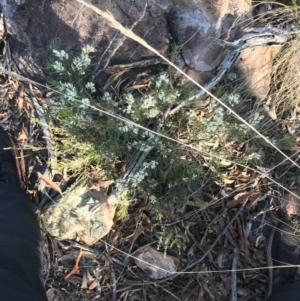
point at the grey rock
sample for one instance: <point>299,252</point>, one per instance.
<point>71,216</point>
<point>133,9</point>
<point>36,25</point>
<point>154,263</point>
<point>159,7</point>
<point>194,23</point>
<point>255,67</point>
<point>193,30</point>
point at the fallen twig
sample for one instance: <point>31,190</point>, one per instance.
<point>227,234</point>
<point>192,264</point>
<point>259,37</point>
<point>114,284</point>
<point>233,274</point>
<point>270,261</point>
<point>75,269</point>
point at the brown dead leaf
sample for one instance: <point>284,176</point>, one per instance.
<point>145,218</point>
<point>290,203</point>
<point>20,99</point>
<point>271,111</point>
<point>50,94</point>
<point>105,184</point>
<point>37,93</point>
<point>232,232</point>
<point>99,193</point>
<point>134,236</point>
<point>94,284</point>
<point>84,284</point>
<point>49,182</point>
<point>51,294</point>
<point>200,246</point>
<point>242,197</point>
<point>118,234</point>
<point>253,200</point>
<point>225,243</point>
<point>14,84</point>
<point>23,137</point>
<point>136,87</point>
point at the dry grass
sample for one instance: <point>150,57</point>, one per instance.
<point>285,92</point>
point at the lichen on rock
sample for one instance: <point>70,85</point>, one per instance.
<point>73,217</point>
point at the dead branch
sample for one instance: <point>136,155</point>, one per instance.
<point>233,274</point>
<point>192,264</point>
<point>75,269</point>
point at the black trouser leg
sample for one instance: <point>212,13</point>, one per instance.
<point>20,248</point>
<point>286,292</point>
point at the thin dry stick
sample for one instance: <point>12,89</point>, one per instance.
<point>242,188</point>
<point>124,38</point>
<point>189,266</point>
<point>233,275</point>
<point>113,283</point>
<point>270,261</point>
<point>156,284</point>
<point>208,86</point>
<point>75,269</point>
<point>77,15</point>
<point>127,32</point>
<point>103,54</point>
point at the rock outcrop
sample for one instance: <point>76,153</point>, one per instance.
<point>34,26</point>
<point>73,216</point>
